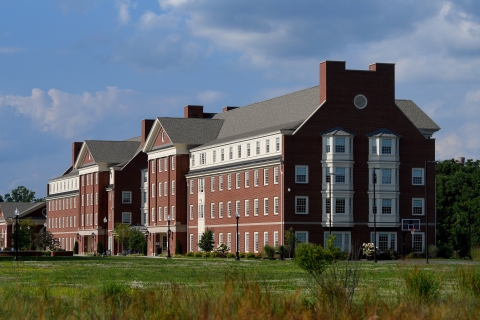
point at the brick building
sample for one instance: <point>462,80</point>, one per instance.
<point>271,162</point>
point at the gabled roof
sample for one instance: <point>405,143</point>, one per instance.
<point>191,130</point>
<point>111,152</point>
<point>417,116</point>
<point>284,112</point>
<point>24,208</point>
<point>337,131</point>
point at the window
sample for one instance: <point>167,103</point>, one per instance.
<point>220,238</point>
<point>214,156</point>
<point>83,200</point>
<point>237,180</point>
<point>340,145</point>
<point>220,183</point>
<point>417,207</point>
<point>237,207</point>
<point>173,212</point>
<point>126,197</point>
<point>83,181</point>
<point>191,242</point>
<point>165,188</point>
<point>126,217</point>
<point>255,178</point>
<point>96,177</point>
<point>417,177</point>
<point>302,236</point>
<point>200,211</point>
<point>374,146</point>
<point>222,155</point>
<point>229,181</point>
<point>257,151</point>
<point>340,175</point>
<point>152,165</point>
<point>265,177</point>
<point>159,189</point>
<point>374,206</point>
<point>247,242</point>
<point>160,165</point>
<point>327,145</point>
<point>340,205</point>
<point>247,179</point>
<point>384,241</point>
<point>200,182</point>
<point>342,240</point>
<point>277,144</point>
<point>386,176</point>
<point>153,214</point>
<point>247,208</point>
<point>327,175</point>
<point>212,210</point>
<point>248,149</point>
<point>239,147</point>
<point>417,240</point>
<point>166,163</point>
<point>220,209</point>
<point>165,213</point>
<point>301,174</point>
<point>203,157</point>
<point>173,187</point>
<point>230,153</point>
<point>192,186</point>
<point>275,175</point>
<point>386,146</point>
<point>173,162</point>
<point>193,160</point>
<point>386,206</point>
<point>153,190</point>
<point>255,242</point>
<point>229,209</point>
<point>265,238</point>
<point>88,179</point>
<point>265,206</point>
<point>301,205</point>
<point>275,205</point>
<point>191,212</point>
<point>212,184</point>
<point>267,146</point>
<point>255,207</point>
<point>159,214</point>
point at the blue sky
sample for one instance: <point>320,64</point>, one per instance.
<point>91,69</point>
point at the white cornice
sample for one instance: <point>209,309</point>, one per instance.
<point>81,155</point>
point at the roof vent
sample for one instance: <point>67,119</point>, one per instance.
<point>360,101</point>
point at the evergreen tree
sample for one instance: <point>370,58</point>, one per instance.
<point>206,241</point>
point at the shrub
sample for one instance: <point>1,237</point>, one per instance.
<point>75,248</point>
<point>230,255</point>
<point>198,254</point>
<point>178,247</point>
<point>258,256</point>
<point>250,255</point>
<point>476,253</point>
<point>269,252</point>
<point>312,258</point>
<point>421,285</point>
<point>242,255</point>
<point>206,255</point>
<point>432,251</point>
<point>445,251</point>
<point>190,254</point>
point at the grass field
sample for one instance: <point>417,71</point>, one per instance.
<point>189,288</point>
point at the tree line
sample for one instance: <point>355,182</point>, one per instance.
<point>21,194</point>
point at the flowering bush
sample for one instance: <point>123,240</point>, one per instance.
<point>368,249</point>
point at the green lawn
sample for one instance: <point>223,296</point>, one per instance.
<point>71,282</point>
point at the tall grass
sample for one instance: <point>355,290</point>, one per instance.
<point>422,285</point>
<point>468,281</point>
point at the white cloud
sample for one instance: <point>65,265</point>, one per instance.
<point>123,7</point>
<point>150,20</point>
<point>69,114</point>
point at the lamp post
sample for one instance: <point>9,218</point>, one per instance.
<point>237,254</point>
<point>16,234</point>
<point>93,241</point>
<point>104,235</point>
<point>374,177</point>
<point>331,204</point>
<point>168,239</point>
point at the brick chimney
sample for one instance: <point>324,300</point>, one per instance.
<point>146,127</point>
<point>228,108</point>
<point>76,146</point>
<point>191,111</point>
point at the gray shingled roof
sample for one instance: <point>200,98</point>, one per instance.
<point>338,131</point>
<point>112,151</point>
<point>384,132</point>
<point>8,208</point>
<point>285,112</point>
<point>192,131</point>
<point>416,115</point>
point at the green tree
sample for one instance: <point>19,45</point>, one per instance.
<point>75,247</point>
<point>458,205</point>
<point>121,232</point>
<point>20,194</point>
<point>136,241</point>
<point>178,247</point>
<point>206,241</point>
<point>46,240</point>
<point>289,240</point>
<point>26,229</point>
<point>99,247</point>
<point>312,258</point>
<point>1,198</point>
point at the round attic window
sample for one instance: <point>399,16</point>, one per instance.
<point>360,101</point>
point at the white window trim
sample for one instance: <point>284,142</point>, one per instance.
<point>126,192</point>
<point>423,206</point>
<point>306,174</point>
<point>306,238</point>
<point>306,209</point>
<point>423,177</point>
<point>129,217</point>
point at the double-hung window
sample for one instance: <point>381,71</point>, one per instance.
<point>257,148</point>
<point>267,146</point>
<point>386,176</point>
<point>265,177</point>
<point>301,174</point>
<point>220,183</point>
<point>126,197</point>
<point>301,205</point>
<point>230,153</point>
<point>327,145</point>
<point>340,175</point>
<point>417,177</point>
<point>417,207</point>
<point>247,179</point>
<point>386,206</point>
<point>340,145</point>
<point>237,180</point>
<point>248,149</point>
<point>386,146</point>
<point>239,151</point>
<point>340,205</point>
